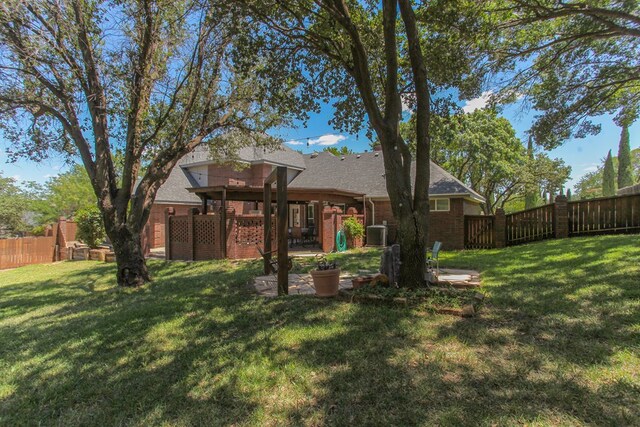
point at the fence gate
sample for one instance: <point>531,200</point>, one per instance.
<point>479,232</point>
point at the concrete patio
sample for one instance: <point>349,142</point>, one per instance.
<point>302,284</point>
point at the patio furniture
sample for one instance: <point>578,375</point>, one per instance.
<point>273,262</point>
<point>296,236</point>
<point>309,234</point>
<point>433,259</point>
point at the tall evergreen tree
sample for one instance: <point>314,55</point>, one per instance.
<point>625,170</point>
<point>609,177</point>
<point>531,191</point>
<point>568,194</point>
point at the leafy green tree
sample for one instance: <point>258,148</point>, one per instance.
<point>608,177</point>
<point>342,151</point>
<point>64,195</point>
<point>625,168</point>
<point>90,226</point>
<point>482,150</point>
<point>370,58</point>
<point>13,206</point>
<point>149,79</point>
<point>572,59</point>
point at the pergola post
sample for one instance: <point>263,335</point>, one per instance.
<point>266,210</point>
<point>205,199</point>
<point>223,220</point>
<point>281,224</point>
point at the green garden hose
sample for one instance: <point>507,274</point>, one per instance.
<point>341,241</point>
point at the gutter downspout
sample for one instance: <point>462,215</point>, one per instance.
<point>373,211</point>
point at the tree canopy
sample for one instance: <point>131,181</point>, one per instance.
<point>625,168</point>
<point>13,208</point>
<point>151,79</point>
<point>572,59</point>
<point>608,177</point>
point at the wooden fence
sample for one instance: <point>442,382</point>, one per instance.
<point>479,232</point>
<point>606,215</point>
<point>530,225</point>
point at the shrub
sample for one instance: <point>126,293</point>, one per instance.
<point>39,230</point>
<point>353,228</point>
<point>90,226</point>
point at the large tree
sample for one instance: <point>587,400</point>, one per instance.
<point>368,58</point>
<point>573,59</point>
<point>152,78</point>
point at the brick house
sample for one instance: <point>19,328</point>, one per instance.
<point>316,181</point>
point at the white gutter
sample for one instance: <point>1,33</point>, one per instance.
<point>373,210</point>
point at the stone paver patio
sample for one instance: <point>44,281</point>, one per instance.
<point>302,284</point>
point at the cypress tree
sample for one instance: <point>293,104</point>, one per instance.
<point>568,194</point>
<point>608,177</point>
<point>531,191</point>
<point>625,170</point>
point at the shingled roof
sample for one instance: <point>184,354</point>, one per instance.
<point>364,174</point>
<point>283,156</point>
<point>354,173</point>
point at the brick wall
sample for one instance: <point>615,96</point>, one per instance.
<point>446,227</point>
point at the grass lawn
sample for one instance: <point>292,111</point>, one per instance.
<point>558,342</point>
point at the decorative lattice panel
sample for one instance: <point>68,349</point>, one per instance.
<point>249,231</point>
<point>179,230</point>
<point>205,228</point>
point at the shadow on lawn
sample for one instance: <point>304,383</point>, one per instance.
<point>195,347</point>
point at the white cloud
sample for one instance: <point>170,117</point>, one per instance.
<point>56,167</point>
<point>591,168</point>
<point>329,139</point>
<point>16,177</point>
<point>325,140</point>
<point>476,103</point>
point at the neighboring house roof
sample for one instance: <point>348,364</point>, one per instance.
<point>363,173</point>
<point>283,156</point>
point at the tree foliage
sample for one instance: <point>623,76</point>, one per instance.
<point>573,59</point>
<point>369,58</point>
<point>625,168</point>
<point>90,227</point>
<point>63,195</point>
<point>608,177</point>
<point>151,79</point>
<point>13,206</point>
<point>481,149</point>
<point>342,151</point>
<point>590,184</point>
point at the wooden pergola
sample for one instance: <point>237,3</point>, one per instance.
<point>266,194</point>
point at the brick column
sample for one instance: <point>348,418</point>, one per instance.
<point>328,220</point>
<point>561,217</point>
<point>168,212</point>
<point>500,228</point>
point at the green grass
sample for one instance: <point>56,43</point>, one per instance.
<point>557,342</point>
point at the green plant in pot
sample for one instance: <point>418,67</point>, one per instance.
<point>354,230</point>
<point>326,278</point>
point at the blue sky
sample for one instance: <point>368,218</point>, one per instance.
<point>583,155</point>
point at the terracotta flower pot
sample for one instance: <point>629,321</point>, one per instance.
<point>361,281</point>
<point>326,282</point>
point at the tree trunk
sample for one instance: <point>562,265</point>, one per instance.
<point>132,268</point>
<point>412,216</point>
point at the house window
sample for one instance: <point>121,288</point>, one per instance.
<point>311,215</point>
<point>439,205</point>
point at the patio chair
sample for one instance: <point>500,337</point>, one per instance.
<point>433,259</point>
<point>273,262</point>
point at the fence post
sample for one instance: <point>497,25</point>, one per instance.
<point>500,228</point>
<point>191,232</point>
<point>168,212</point>
<point>561,217</point>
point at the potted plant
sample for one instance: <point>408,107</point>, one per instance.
<point>326,278</point>
<point>355,232</point>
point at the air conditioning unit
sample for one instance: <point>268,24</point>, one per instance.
<point>377,235</point>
